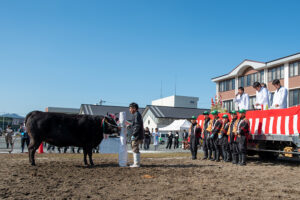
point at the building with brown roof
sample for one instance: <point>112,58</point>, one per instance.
<point>286,69</point>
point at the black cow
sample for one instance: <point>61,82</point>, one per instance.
<point>61,130</point>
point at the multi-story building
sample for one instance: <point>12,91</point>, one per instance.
<point>286,69</point>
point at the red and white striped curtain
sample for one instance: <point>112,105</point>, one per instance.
<point>275,122</point>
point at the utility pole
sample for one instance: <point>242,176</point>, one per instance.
<point>161,93</point>
<point>175,84</point>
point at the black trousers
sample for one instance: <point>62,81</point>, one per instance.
<point>52,147</point>
<point>169,144</point>
<point>206,146</point>
<point>213,144</point>
<point>234,149</point>
<point>176,143</point>
<point>146,143</point>
<point>194,147</point>
<point>23,141</point>
<point>242,145</point>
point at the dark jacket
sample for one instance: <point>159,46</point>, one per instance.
<point>195,134</point>
<point>147,135</point>
<point>222,136</point>
<point>243,131</point>
<point>231,133</point>
<point>170,137</point>
<point>217,125</point>
<point>137,126</point>
<point>205,134</point>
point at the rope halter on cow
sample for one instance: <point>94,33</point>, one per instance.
<point>104,120</point>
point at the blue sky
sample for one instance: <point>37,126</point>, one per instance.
<point>65,53</point>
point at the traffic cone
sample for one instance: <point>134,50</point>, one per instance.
<point>41,150</point>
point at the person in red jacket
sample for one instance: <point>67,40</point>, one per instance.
<point>195,134</point>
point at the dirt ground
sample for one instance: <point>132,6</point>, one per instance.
<point>162,176</point>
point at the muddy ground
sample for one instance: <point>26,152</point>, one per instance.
<point>162,176</point>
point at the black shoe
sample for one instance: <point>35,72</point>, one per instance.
<point>205,158</point>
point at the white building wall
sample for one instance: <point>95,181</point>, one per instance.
<point>167,101</point>
<point>177,101</point>
<point>150,123</point>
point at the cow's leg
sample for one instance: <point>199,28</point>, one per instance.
<point>90,153</point>
<point>33,146</point>
<point>84,156</point>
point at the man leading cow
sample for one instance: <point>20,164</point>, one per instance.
<point>137,133</point>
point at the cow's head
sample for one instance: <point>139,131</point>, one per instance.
<point>109,125</point>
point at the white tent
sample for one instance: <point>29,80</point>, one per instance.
<point>177,125</point>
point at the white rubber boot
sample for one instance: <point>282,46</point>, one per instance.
<point>136,160</point>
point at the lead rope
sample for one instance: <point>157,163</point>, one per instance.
<point>103,124</point>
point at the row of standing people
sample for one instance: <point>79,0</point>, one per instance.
<point>263,97</point>
<point>221,137</point>
<point>172,139</point>
<point>9,133</point>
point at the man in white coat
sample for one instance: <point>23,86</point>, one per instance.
<point>280,96</point>
<point>242,99</point>
<point>262,98</point>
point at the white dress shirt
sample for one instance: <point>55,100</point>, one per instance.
<point>280,98</point>
<point>262,98</point>
<point>242,101</point>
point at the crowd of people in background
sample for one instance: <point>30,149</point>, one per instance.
<point>173,140</point>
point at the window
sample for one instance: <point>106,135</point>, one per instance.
<point>276,73</point>
<point>294,97</point>
<point>228,105</point>
<point>294,69</point>
<point>241,81</point>
<point>227,85</point>
<point>233,83</point>
<point>246,81</point>
<point>252,102</point>
<point>261,76</point>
